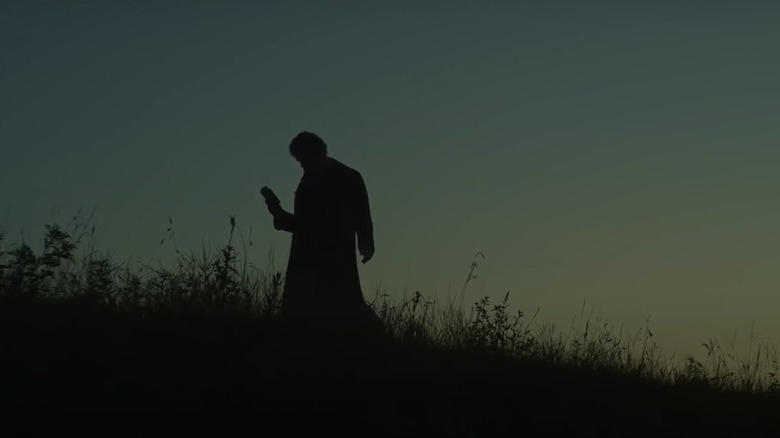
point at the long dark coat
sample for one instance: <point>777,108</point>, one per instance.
<point>331,210</point>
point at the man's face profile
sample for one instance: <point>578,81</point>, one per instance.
<point>306,160</point>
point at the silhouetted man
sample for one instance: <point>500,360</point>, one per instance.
<point>331,209</point>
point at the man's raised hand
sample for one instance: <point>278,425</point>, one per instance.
<point>271,200</point>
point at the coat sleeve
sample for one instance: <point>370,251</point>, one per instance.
<point>284,221</point>
<point>365,228</point>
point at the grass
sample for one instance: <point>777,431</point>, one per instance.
<point>206,335</point>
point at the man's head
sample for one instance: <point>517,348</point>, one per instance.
<point>309,149</point>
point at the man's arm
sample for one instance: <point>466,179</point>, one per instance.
<point>365,227</point>
<point>282,219</point>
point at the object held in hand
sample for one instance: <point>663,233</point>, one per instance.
<point>269,195</point>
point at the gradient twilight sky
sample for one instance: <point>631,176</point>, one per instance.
<point>621,153</point>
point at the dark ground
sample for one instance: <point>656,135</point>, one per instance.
<point>282,384</point>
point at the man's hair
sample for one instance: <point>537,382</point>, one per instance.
<point>307,143</point>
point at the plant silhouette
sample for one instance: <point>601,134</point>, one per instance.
<point>203,337</point>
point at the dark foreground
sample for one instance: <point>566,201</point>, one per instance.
<point>285,384</point>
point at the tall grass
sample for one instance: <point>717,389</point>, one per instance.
<point>56,283</point>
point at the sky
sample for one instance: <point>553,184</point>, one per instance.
<point>614,156</point>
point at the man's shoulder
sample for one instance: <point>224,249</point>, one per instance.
<point>344,169</point>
